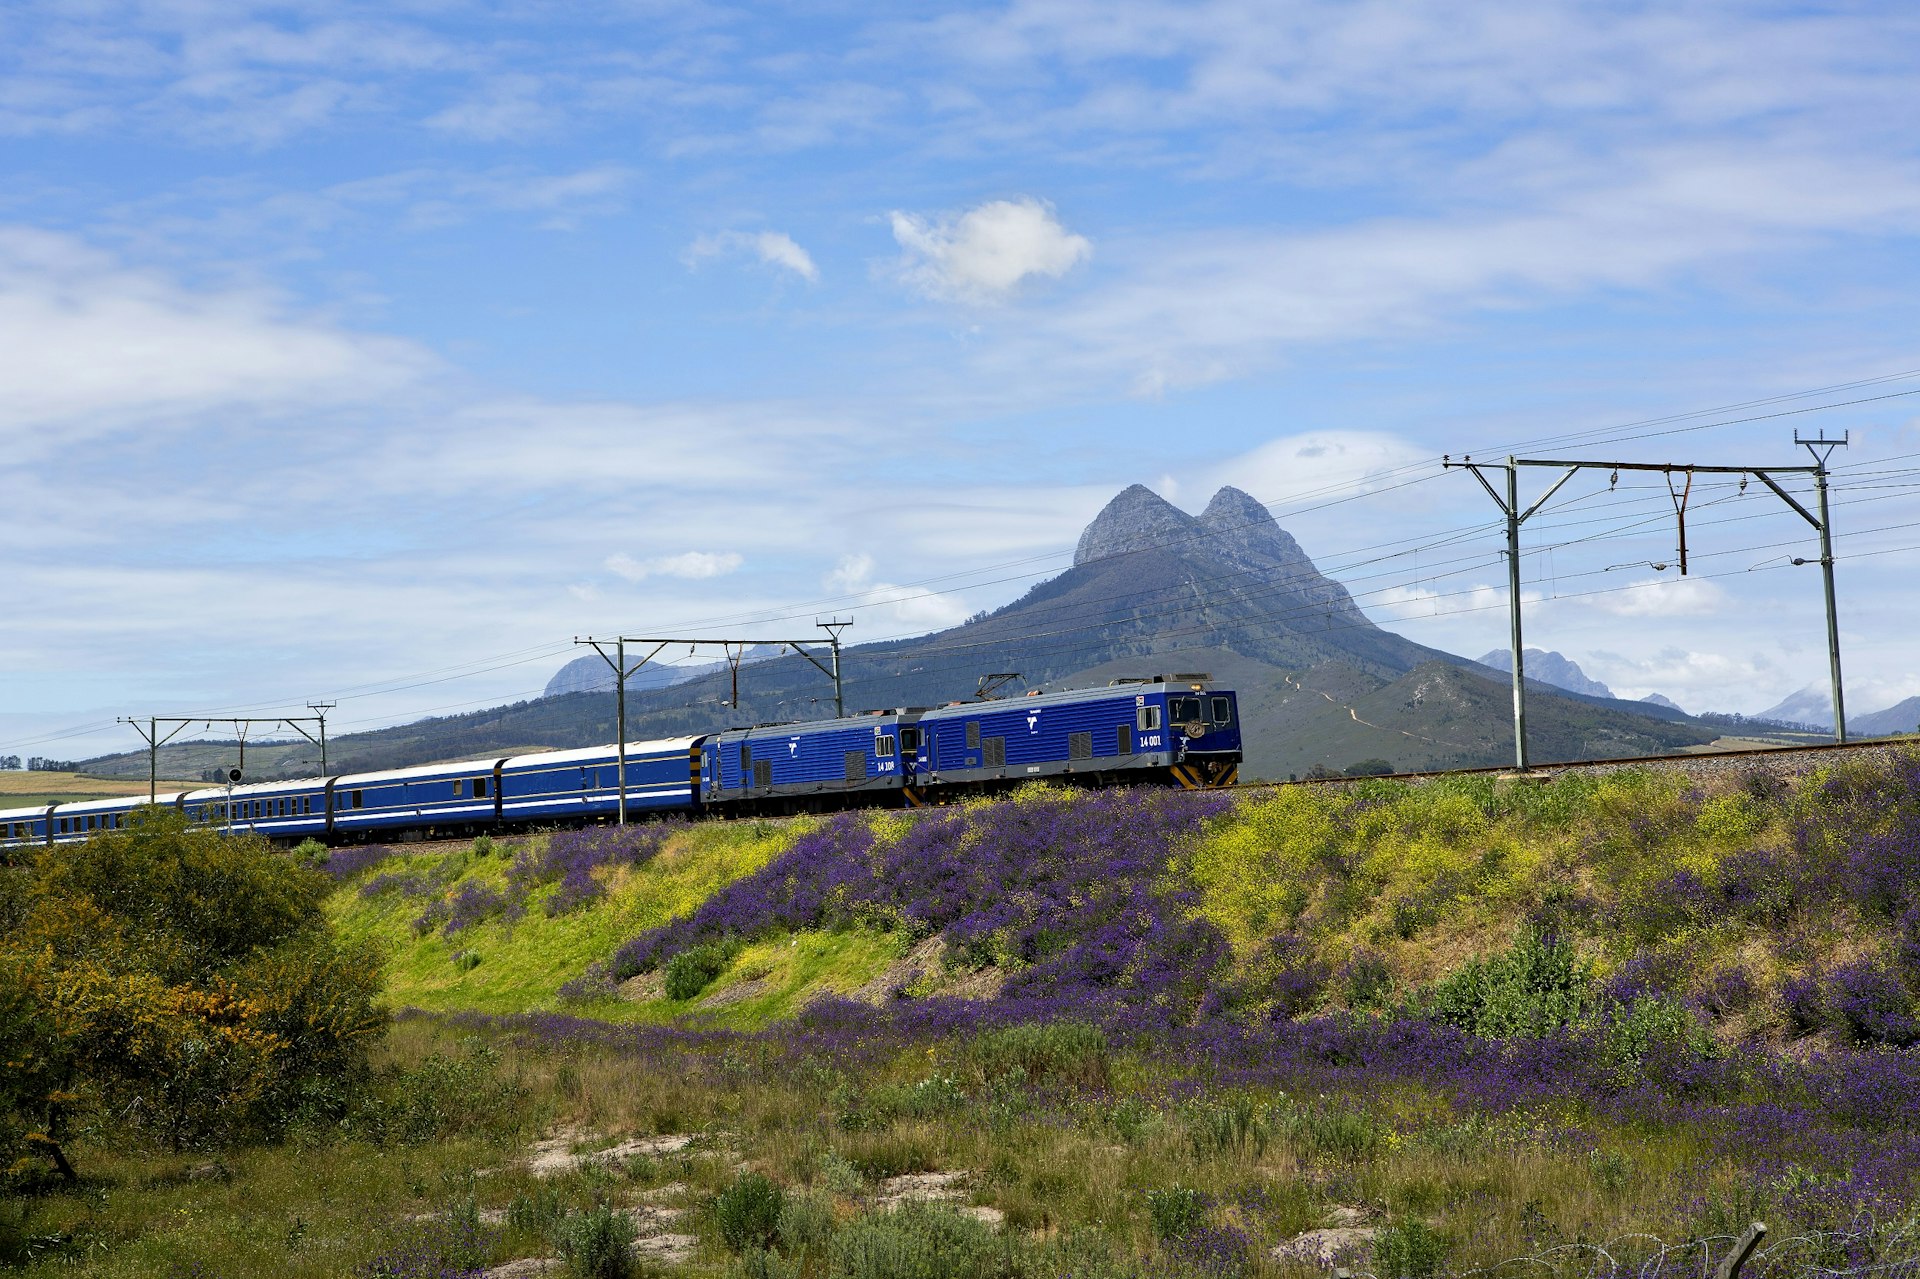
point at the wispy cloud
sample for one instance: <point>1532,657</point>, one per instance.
<point>94,345</point>
<point>688,564</point>
<point>773,248</point>
<point>914,608</point>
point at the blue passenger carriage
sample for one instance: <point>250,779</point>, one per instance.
<point>20,826</point>
<point>584,784</point>
<point>285,812</point>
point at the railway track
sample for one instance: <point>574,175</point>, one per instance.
<point>1704,759</point>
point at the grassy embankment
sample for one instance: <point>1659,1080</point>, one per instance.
<point>1356,897</point>
<point>517,960</point>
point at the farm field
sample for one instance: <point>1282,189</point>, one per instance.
<point>1603,1023</point>
<point>20,788</point>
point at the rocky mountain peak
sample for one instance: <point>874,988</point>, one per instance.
<point>1136,519</point>
<point>1241,531</point>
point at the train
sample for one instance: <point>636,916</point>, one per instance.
<point>1172,729</point>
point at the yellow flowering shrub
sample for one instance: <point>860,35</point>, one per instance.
<point>175,980</point>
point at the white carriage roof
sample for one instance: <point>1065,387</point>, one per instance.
<point>667,745</point>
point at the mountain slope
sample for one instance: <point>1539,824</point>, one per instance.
<point>1152,589</point>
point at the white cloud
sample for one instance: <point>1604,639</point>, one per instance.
<point>1698,680</point>
<point>1664,597</point>
<point>692,565</point>
<point>984,254</point>
<point>774,248</point>
<point>911,608</point>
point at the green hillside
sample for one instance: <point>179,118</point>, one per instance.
<point>1710,886</point>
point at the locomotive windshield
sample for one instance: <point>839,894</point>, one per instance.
<point>1184,710</point>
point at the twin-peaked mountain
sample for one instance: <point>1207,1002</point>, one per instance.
<point>1152,589</point>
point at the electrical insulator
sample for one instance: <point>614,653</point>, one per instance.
<point>1613,481</point>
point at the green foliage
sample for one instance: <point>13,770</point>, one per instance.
<point>1067,1051</point>
<point>1234,1128</point>
<point>536,1211</point>
<point>1175,1211</point>
<point>444,1095</point>
<point>692,971</point>
<point>921,1241</point>
<point>805,1222</point>
<point>1409,1249</point>
<point>747,1213</point>
<point>1539,986</point>
<point>1374,767</point>
<point>1333,1131</point>
<point>174,978</point>
<point>311,853</point>
<point>1650,1024</point>
<point>596,1244</point>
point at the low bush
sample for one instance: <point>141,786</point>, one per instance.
<point>1409,1249</point>
<point>596,1244</point>
<point>1536,988</point>
<point>921,1241</point>
<point>1175,1211</point>
<point>1069,1052</point>
<point>444,1095</point>
<point>1323,1130</point>
<point>1234,1128</point>
<point>747,1213</point>
<point>692,971</point>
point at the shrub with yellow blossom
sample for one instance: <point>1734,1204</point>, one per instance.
<point>175,980</point>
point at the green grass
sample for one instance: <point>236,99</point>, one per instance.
<point>1082,1174</point>
<point>523,963</point>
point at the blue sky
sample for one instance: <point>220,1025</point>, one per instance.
<point>374,352</point>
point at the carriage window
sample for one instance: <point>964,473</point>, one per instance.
<point>459,787</point>
<point>356,799</point>
<point>910,739</point>
<point>883,746</point>
<point>1222,710</point>
<point>1148,719</point>
<point>479,788</point>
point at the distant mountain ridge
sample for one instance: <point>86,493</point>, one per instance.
<point>1551,668</point>
<point>1152,589</point>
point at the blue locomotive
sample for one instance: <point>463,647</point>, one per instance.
<point>1175,729</point>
